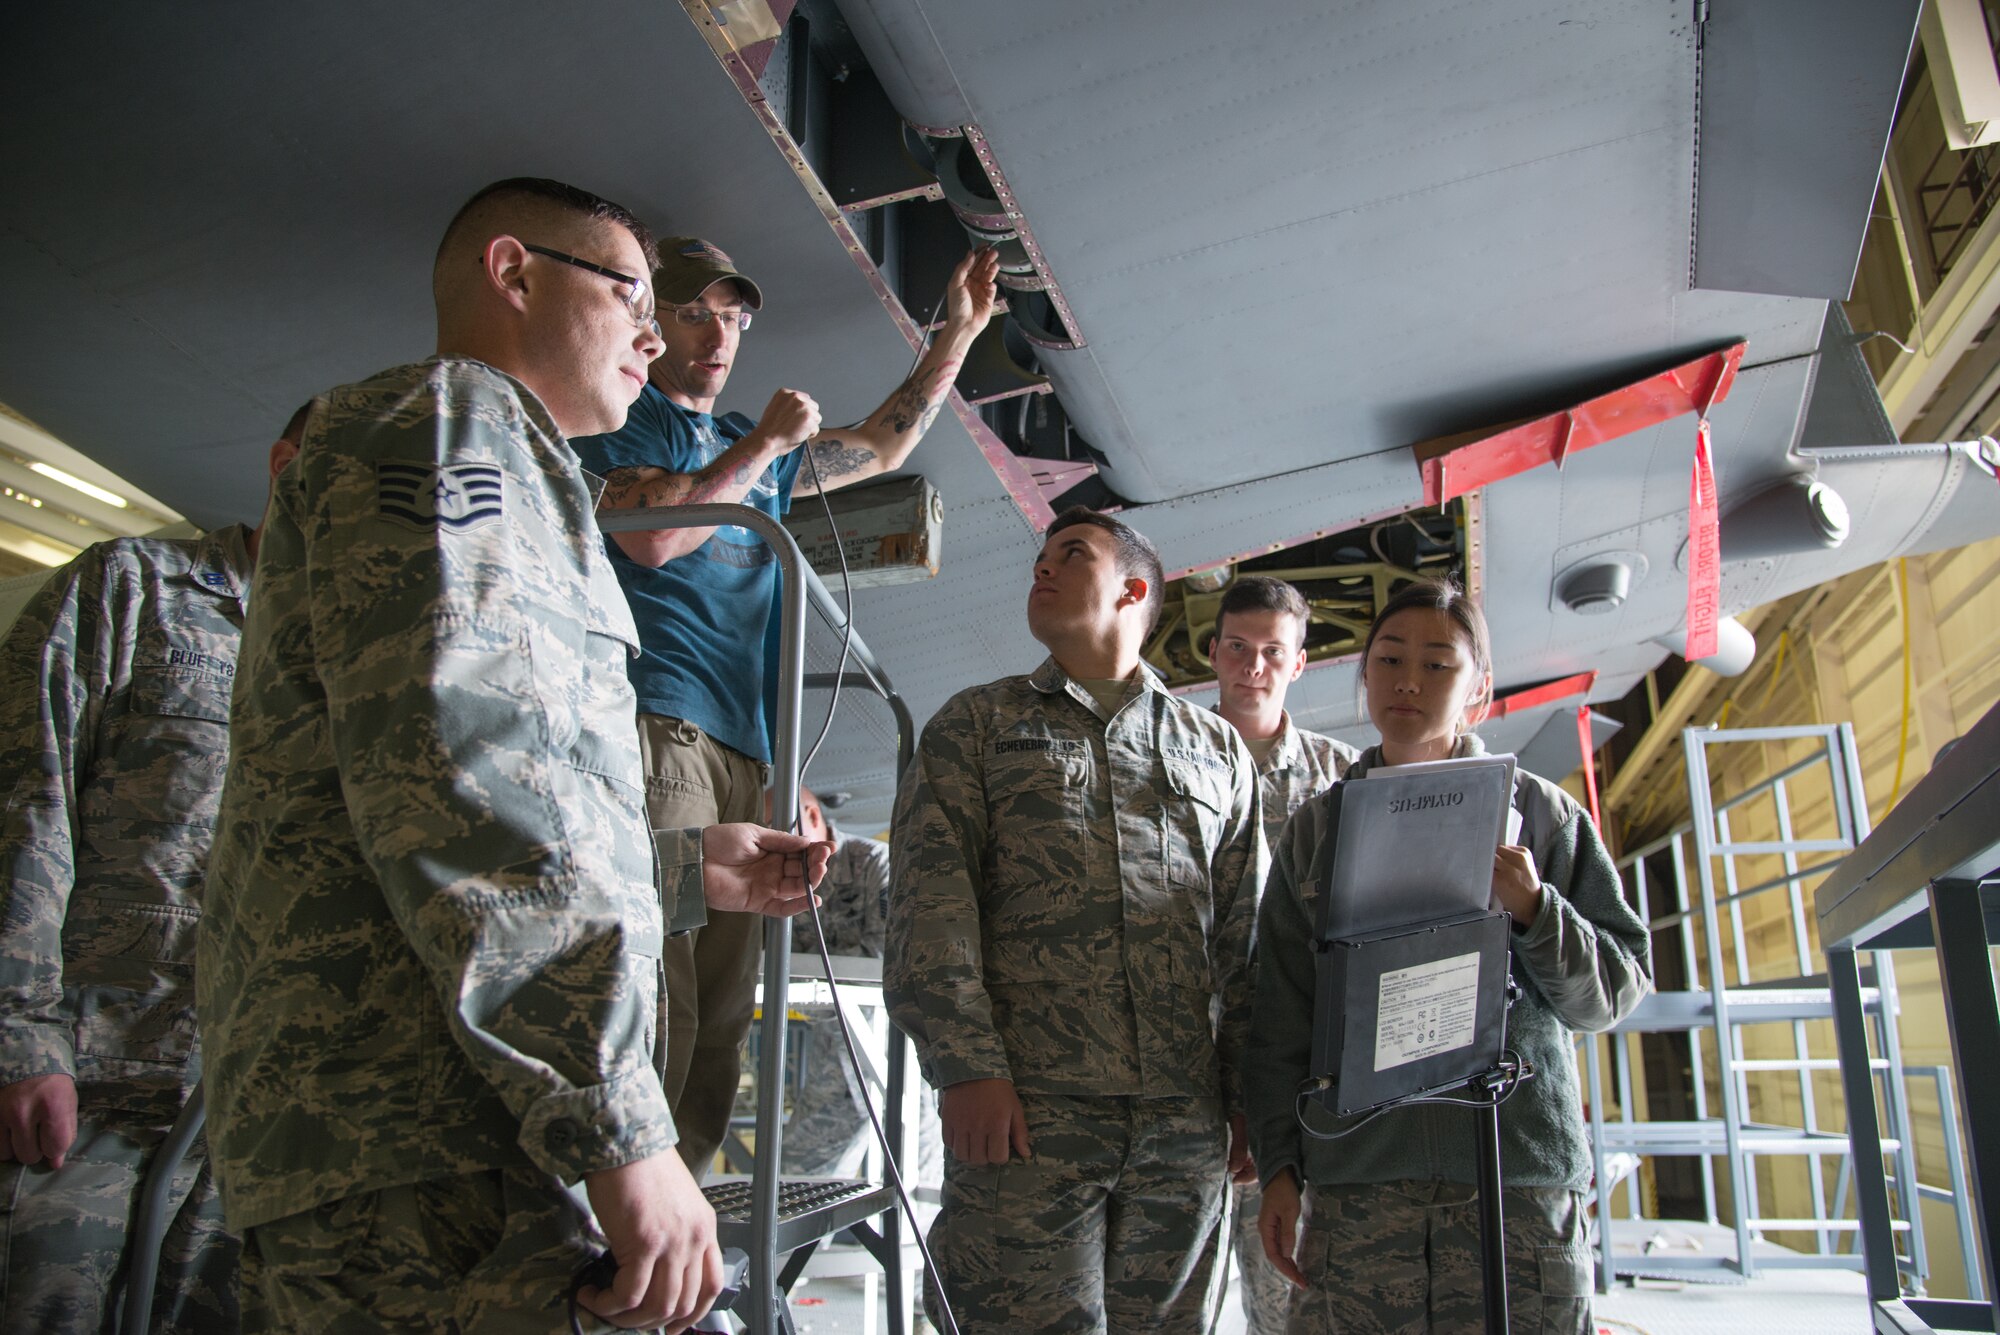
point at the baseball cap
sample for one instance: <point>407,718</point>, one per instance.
<point>689,266</point>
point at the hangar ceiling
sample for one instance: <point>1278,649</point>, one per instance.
<point>1296,239</point>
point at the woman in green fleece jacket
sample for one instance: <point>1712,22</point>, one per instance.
<point>1391,1236</point>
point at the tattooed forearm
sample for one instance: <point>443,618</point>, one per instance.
<point>722,481</point>
<point>914,406</point>
<point>833,457</point>
<point>722,475</point>
<point>905,407</point>
<point>640,488</point>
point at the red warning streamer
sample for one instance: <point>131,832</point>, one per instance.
<point>1455,465</point>
<point>1704,553</point>
<point>1585,745</point>
<point>1547,693</point>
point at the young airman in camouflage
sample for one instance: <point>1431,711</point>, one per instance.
<point>1391,1230</point>
<point>114,708</point>
<point>1076,857</point>
<point>429,964</point>
<point>1259,651</point>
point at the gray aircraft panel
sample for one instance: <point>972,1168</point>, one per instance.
<point>1791,139</point>
<point>1255,196</point>
<point>1298,238</point>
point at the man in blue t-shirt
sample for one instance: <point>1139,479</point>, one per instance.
<point>703,600</point>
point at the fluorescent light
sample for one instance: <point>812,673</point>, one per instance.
<point>78,484</point>
<point>34,549</point>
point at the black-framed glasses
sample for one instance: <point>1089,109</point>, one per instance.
<point>694,317</point>
<point>636,296</point>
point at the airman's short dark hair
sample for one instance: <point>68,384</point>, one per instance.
<point>1137,557</point>
<point>533,190</point>
<point>1261,593</point>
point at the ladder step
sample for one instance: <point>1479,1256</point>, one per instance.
<point>1708,1137</point>
<point>1800,1064</point>
<point>1821,1225</point>
<point>1761,848</point>
<point>808,1209</point>
<point>1819,982</point>
<point>1670,1012</point>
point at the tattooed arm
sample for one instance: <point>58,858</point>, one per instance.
<point>789,418</point>
<point>882,443</point>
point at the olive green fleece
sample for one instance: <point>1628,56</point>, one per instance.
<point>1582,964</point>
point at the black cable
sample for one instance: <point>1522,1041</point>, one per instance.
<point>847,620</point>
<point>881,1135</point>
<point>840,550</point>
<point>819,930</point>
<point>1514,1074</point>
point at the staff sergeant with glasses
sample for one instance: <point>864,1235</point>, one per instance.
<point>703,597</point>
<point>429,957</point>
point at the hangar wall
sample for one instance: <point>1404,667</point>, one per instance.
<point>1909,652</point>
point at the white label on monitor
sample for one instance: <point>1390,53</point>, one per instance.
<point>1426,1009</point>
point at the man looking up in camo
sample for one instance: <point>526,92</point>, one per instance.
<point>1259,651</point>
<point>708,643</point>
<point>1075,864</point>
<point>114,733</point>
<point>429,961</point>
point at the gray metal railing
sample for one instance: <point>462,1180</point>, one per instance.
<point>1733,1001</point>
<point>799,585</point>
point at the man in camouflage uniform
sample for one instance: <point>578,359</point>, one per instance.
<point>1259,651</point>
<point>1076,860</point>
<point>828,1129</point>
<point>114,705</point>
<point>430,958</point>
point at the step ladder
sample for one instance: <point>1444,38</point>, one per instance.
<point>1703,860</point>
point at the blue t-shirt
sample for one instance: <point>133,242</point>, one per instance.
<point>707,620</point>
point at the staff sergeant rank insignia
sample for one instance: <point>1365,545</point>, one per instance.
<point>457,497</point>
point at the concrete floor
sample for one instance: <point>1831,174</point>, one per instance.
<point>1796,1302</point>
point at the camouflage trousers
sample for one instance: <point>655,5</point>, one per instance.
<point>1114,1225</point>
<point>1266,1295</point>
<point>711,973</point>
<point>489,1253</point>
<point>1405,1257</point>
<point>64,1233</point>
<point>827,1131</point>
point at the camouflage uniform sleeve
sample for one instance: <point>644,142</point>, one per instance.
<point>677,864</point>
<point>1236,874</point>
<point>442,652</point>
<point>933,970</point>
<point>51,697</point>
<point>874,873</point>
<point>1279,1053</point>
<point>1586,949</point>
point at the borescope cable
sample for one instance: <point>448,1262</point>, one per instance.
<point>819,929</point>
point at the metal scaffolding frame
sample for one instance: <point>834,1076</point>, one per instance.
<point>1928,879</point>
<point>780,1218</point>
<point>1707,893</point>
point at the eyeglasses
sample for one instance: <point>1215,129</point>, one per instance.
<point>637,298</point>
<point>694,317</point>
